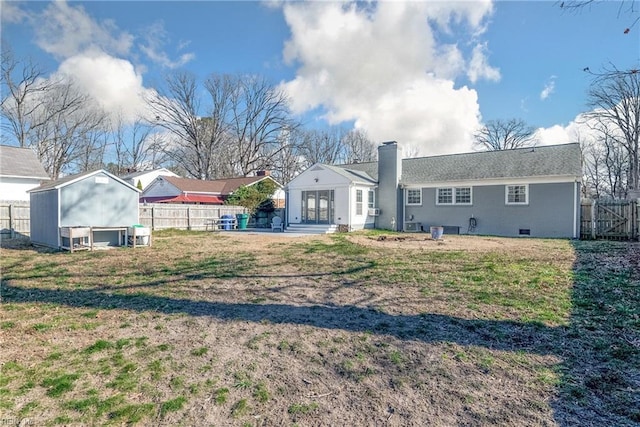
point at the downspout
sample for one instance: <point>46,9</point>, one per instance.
<point>575,210</point>
<point>350,202</point>
<point>402,205</point>
<point>58,220</point>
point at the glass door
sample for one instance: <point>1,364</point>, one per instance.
<point>317,207</point>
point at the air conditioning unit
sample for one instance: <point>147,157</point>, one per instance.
<point>374,211</point>
<point>413,226</point>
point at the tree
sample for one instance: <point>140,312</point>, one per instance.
<point>614,99</point>
<point>24,85</point>
<point>253,197</point>
<point>177,108</point>
<point>504,135</point>
<point>259,116</point>
<point>319,146</point>
<point>357,147</point>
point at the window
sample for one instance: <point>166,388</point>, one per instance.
<point>371,201</point>
<point>358,202</point>
<point>517,194</point>
<point>414,196</point>
<point>453,196</point>
<point>445,196</point>
<point>463,196</point>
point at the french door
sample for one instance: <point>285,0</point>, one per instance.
<point>317,207</point>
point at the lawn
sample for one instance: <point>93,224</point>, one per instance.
<point>348,329</point>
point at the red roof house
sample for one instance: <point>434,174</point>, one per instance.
<point>170,189</point>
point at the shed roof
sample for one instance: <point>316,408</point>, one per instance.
<point>544,161</point>
<point>70,179</point>
<point>19,162</point>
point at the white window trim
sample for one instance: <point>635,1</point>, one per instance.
<point>526,195</point>
<point>406,195</point>
<point>453,196</point>
<point>373,202</point>
<point>359,204</point>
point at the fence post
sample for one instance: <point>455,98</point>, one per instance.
<point>593,219</point>
<point>188,218</point>
<point>153,215</point>
<point>11,227</point>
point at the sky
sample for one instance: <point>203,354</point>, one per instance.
<point>424,73</point>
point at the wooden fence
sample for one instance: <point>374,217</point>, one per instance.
<point>14,219</point>
<point>610,219</point>
<point>159,216</point>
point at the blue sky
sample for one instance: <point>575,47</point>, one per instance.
<point>423,73</point>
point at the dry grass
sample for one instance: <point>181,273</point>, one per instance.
<point>250,329</point>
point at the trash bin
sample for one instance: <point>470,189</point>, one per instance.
<point>226,221</point>
<point>436,232</point>
<point>243,219</point>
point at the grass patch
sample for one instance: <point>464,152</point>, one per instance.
<point>58,385</point>
<point>240,408</point>
<point>302,408</point>
<point>172,405</point>
<point>199,351</point>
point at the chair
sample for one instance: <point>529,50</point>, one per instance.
<point>276,223</point>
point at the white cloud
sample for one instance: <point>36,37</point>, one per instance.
<point>578,130</point>
<point>549,88</point>
<point>119,90</point>
<point>11,12</point>
<point>155,38</point>
<point>64,31</point>
<point>479,66</point>
<point>381,65</point>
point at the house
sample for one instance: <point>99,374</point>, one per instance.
<point>523,192</point>
<point>168,189</point>
<point>20,171</point>
<point>95,200</point>
<point>144,178</point>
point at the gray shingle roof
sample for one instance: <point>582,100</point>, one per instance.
<point>354,174</point>
<point>20,162</point>
<point>544,161</point>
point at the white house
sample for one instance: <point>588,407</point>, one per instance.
<point>20,171</point>
<point>144,178</point>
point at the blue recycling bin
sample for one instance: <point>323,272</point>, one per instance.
<point>226,221</point>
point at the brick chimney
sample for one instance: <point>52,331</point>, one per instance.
<point>263,173</point>
<point>389,193</point>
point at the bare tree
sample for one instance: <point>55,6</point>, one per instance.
<point>504,135</point>
<point>177,111</point>
<point>319,146</point>
<point>134,145</point>
<point>624,6</point>
<point>71,120</point>
<point>357,147</point>
<point>23,87</point>
<point>614,99</point>
<point>259,115</point>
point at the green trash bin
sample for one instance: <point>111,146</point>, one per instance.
<point>243,219</point>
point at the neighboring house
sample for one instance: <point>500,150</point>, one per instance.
<point>90,199</point>
<point>168,189</point>
<point>523,192</point>
<point>144,178</point>
<point>20,171</point>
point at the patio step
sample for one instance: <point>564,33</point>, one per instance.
<point>311,228</point>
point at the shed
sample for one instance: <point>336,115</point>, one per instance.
<point>98,201</point>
